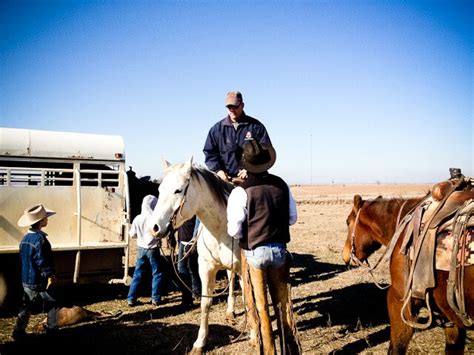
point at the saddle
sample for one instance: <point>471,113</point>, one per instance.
<point>454,202</point>
<point>448,208</point>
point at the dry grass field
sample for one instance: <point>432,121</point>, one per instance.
<point>337,310</point>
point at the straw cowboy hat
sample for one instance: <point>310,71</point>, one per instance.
<point>34,214</point>
<point>256,157</point>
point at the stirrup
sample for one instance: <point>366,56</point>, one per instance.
<point>417,325</point>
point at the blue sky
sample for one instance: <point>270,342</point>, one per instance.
<point>350,91</point>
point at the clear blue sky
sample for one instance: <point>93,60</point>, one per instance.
<point>350,91</point>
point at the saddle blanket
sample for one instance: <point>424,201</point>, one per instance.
<point>444,250</point>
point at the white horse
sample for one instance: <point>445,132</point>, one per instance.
<point>186,191</point>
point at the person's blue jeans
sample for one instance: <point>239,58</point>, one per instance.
<point>29,298</point>
<point>144,257</point>
<point>189,272</point>
<point>266,256</point>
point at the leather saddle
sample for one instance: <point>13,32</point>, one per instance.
<point>453,203</point>
<point>434,214</point>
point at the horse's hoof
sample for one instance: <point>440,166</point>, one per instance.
<point>196,351</point>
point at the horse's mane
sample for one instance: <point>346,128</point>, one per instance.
<point>381,206</point>
<point>219,188</point>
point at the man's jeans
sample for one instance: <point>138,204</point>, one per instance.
<point>269,255</point>
<point>189,272</point>
<point>144,256</point>
<point>29,298</point>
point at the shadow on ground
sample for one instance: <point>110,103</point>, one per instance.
<point>361,304</point>
<point>137,333</point>
<point>351,309</point>
<point>357,346</point>
<point>309,269</point>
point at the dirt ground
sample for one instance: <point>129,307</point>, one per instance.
<point>337,310</point>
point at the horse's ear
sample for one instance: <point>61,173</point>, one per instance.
<point>166,163</point>
<point>358,201</point>
<point>190,162</point>
<point>188,165</point>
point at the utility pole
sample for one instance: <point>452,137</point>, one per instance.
<point>311,159</point>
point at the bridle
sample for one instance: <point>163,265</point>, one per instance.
<point>172,222</point>
<point>353,259</point>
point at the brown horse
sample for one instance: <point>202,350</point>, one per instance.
<point>372,224</point>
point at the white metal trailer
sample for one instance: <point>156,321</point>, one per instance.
<point>80,176</point>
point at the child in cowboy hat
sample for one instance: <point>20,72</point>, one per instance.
<point>259,213</point>
<point>37,271</point>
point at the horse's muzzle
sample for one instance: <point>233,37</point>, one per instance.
<point>159,233</point>
<point>156,231</point>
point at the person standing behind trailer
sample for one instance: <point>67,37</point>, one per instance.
<point>188,262</point>
<point>37,270</point>
<point>148,252</point>
<point>226,138</point>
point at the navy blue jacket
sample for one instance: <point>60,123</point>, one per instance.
<point>36,260</point>
<point>223,146</point>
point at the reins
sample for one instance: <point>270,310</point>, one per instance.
<point>175,262</point>
<point>353,257</point>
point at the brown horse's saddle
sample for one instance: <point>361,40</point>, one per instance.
<point>434,218</point>
<point>445,236</point>
<point>444,249</point>
<point>453,203</point>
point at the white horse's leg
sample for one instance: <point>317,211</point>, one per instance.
<point>230,313</point>
<point>208,281</point>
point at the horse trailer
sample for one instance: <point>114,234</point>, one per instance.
<point>80,176</point>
